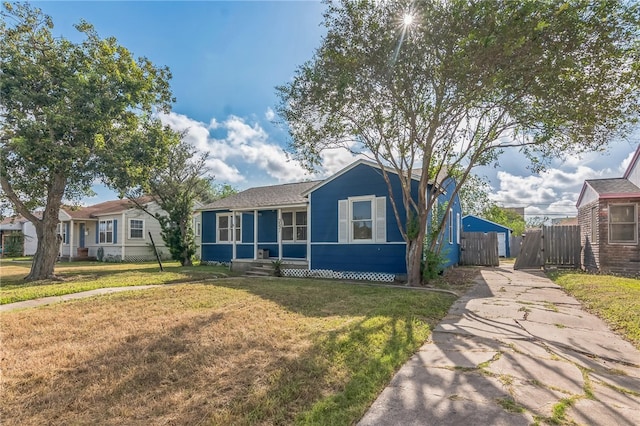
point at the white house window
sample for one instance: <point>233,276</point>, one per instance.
<point>106,231</point>
<point>136,228</point>
<point>226,227</point>
<point>294,226</point>
<point>198,229</point>
<point>623,223</point>
<point>362,220</point>
<point>450,226</point>
<point>458,227</point>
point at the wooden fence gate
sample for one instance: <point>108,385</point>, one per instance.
<point>553,246</point>
<point>478,248</point>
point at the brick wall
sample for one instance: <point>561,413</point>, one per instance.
<point>617,258</point>
<point>590,249</point>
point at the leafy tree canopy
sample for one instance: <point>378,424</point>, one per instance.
<point>71,114</point>
<point>176,189</point>
<point>505,217</point>
<point>462,81</point>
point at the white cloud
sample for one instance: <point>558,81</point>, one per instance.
<point>270,114</point>
<point>552,193</point>
<point>625,163</point>
<point>244,147</point>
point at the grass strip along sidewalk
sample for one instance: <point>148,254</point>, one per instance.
<point>614,299</point>
<point>82,276</point>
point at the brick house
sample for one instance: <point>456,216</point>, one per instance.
<point>608,215</point>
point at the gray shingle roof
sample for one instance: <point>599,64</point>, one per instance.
<point>613,186</point>
<point>264,196</point>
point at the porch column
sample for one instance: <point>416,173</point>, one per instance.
<point>255,234</point>
<point>124,235</point>
<point>70,237</point>
<point>233,235</point>
<point>309,234</point>
<point>278,229</point>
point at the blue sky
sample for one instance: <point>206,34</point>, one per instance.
<point>226,58</point>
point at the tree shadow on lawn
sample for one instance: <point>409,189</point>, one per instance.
<point>193,372</point>
<point>325,298</point>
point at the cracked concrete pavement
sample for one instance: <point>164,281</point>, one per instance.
<point>515,350</point>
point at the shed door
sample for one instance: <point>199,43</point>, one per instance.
<point>502,244</point>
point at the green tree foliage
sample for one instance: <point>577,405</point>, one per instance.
<point>70,114</point>
<point>461,82</point>
<point>176,189</point>
<point>505,217</point>
<point>474,195</point>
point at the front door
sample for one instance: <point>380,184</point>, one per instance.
<point>81,244</point>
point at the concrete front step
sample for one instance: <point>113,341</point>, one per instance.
<point>259,271</point>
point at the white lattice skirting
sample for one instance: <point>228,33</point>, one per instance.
<point>336,275</point>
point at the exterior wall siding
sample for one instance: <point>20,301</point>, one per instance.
<point>590,256</point>
<point>216,252</point>
<point>364,180</point>
<point>388,258</point>
<point>618,258</point>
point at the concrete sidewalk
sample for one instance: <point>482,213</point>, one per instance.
<point>508,352</point>
<point>57,299</point>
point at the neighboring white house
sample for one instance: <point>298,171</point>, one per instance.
<point>112,230</point>
<point>20,224</point>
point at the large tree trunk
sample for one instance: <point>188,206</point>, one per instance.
<point>414,259</point>
<point>46,255</point>
<point>47,252</point>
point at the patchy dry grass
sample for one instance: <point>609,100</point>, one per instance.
<point>235,351</point>
<point>614,299</point>
<point>75,277</point>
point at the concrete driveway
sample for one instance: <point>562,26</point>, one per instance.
<point>515,350</point>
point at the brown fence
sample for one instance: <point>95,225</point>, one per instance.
<point>530,251</point>
<point>553,246</point>
<point>478,248</point>
<point>562,246</point>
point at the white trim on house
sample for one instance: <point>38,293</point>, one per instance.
<point>263,208</point>
<point>231,228</point>
<point>378,220</point>
<point>294,225</point>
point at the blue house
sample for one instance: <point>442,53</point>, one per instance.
<point>471,223</point>
<point>341,225</point>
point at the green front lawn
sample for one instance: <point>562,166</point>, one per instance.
<point>228,351</point>
<point>614,299</point>
<point>82,276</point>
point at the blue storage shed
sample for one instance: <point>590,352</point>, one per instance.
<point>471,223</point>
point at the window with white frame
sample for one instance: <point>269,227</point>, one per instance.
<point>450,226</point>
<point>106,231</point>
<point>458,227</point>
<point>623,223</point>
<point>226,225</point>
<point>294,226</point>
<point>198,228</point>
<point>136,228</point>
<point>362,219</point>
